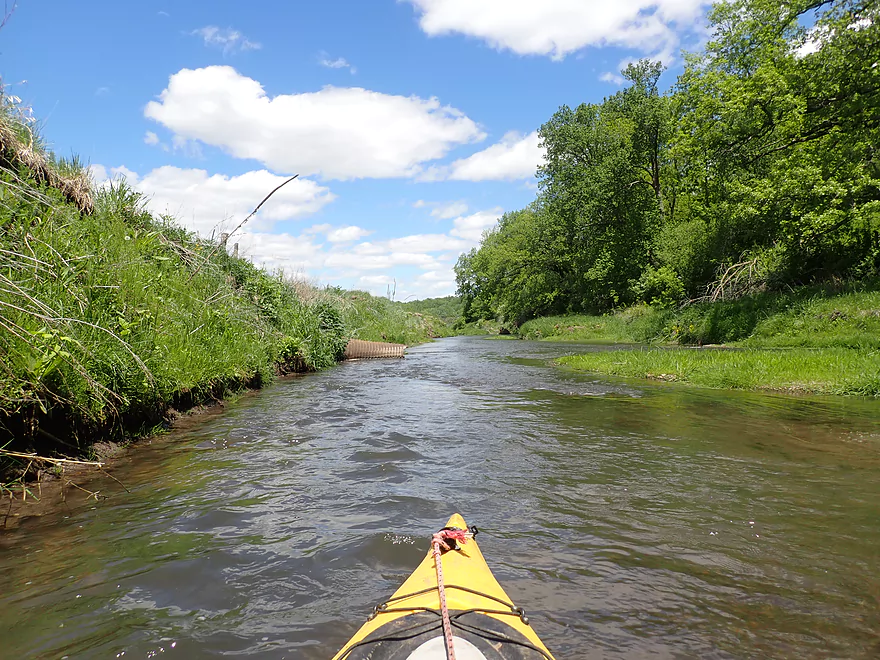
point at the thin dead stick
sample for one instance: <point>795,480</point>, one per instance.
<point>115,479</point>
<point>7,13</point>
<point>91,494</point>
<point>241,224</point>
<point>57,461</point>
<point>24,490</point>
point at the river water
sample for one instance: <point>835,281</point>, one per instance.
<point>629,519</point>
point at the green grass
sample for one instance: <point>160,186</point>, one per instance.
<point>820,371</point>
<point>634,324</point>
<point>378,319</point>
<point>111,318</point>
<point>845,315</point>
<point>829,337</point>
<point>448,309</point>
<point>477,328</point>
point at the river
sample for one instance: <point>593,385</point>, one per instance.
<point>629,519</point>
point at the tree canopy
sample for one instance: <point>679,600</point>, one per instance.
<point>759,168</point>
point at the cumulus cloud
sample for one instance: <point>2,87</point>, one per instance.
<point>516,156</point>
<point>337,132</point>
<point>434,283</point>
<point>226,39</point>
<point>347,234</point>
<point>446,210</point>
<point>204,202</point>
<point>560,27</point>
<point>471,227</point>
<point>338,63</point>
<point>151,138</point>
<point>613,78</point>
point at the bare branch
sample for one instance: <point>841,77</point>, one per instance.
<point>242,223</point>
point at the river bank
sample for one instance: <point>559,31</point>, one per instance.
<point>818,339</point>
<point>797,371</point>
<point>112,318</point>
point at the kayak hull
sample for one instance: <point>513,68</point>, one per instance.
<point>408,625</point>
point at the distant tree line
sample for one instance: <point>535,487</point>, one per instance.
<point>759,168</point>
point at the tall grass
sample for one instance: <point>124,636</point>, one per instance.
<point>110,316</point>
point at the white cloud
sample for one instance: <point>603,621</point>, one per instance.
<point>227,39</point>
<point>205,203</point>
<point>338,63</point>
<point>446,210</point>
<point>471,227</point>
<point>516,156</point>
<point>151,138</point>
<point>98,174</point>
<point>318,229</point>
<point>435,283</point>
<point>560,27</point>
<point>613,78</point>
<point>295,255</point>
<point>374,281</point>
<point>189,148</point>
<point>354,263</point>
<point>425,243</point>
<point>347,234</point>
<point>337,132</point>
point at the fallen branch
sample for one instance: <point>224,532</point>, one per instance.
<point>47,459</point>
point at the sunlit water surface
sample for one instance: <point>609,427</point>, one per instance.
<point>630,520</point>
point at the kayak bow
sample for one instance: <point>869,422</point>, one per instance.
<point>484,623</point>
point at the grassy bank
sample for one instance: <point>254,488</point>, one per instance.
<point>820,371</point>
<point>448,309</point>
<point>841,315</point>
<point>379,319</point>
<point>111,317</point>
<point>830,335</point>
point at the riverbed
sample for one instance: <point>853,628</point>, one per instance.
<point>629,519</point>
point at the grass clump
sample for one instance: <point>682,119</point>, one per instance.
<point>824,371</point>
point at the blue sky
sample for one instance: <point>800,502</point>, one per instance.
<point>411,122</point>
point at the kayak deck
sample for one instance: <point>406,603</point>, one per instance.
<point>479,608</point>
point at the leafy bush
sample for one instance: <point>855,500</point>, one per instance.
<point>660,287</point>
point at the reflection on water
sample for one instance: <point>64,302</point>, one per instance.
<point>629,519</point>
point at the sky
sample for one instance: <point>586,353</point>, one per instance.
<point>412,124</point>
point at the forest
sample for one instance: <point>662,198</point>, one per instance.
<point>757,171</point>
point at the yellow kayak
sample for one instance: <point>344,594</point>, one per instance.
<point>484,623</point>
